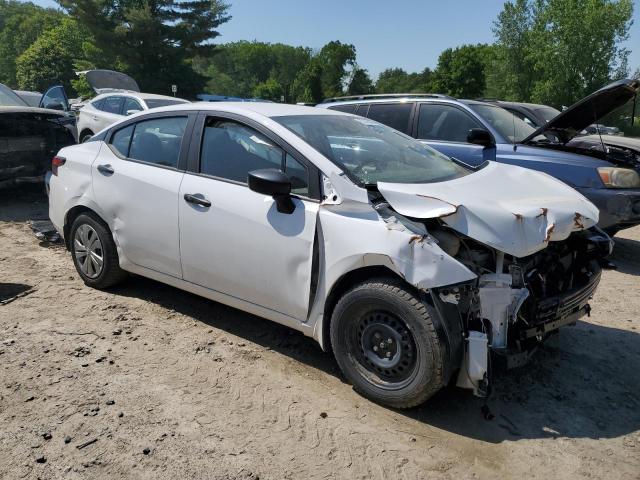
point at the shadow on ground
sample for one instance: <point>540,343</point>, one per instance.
<point>586,387</point>
<point>626,255</point>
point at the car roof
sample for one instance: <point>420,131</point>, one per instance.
<point>141,96</point>
<point>263,109</point>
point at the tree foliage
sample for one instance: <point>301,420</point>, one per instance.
<point>52,57</point>
<point>396,80</point>
<point>461,71</point>
<point>558,51</point>
<point>152,40</point>
<point>20,25</point>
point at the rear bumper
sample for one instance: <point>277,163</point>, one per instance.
<point>618,208</point>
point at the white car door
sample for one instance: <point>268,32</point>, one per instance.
<point>136,182</point>
<point>234,240</point>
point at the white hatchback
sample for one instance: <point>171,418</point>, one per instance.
<point>411,267</point>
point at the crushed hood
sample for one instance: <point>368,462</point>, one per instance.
<point>512,209</point>
<point>103,81</point>
<point>589,110</point>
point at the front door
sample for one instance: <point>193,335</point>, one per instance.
<point>136,180</point>
<point>233,240</point>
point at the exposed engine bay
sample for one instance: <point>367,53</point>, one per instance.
<point>514,304</point>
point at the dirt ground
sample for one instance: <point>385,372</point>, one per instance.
<point>147,381</point>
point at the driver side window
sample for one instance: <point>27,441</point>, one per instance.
<point>230,150</point>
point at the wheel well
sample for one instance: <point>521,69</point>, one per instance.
<point>69,219</point>
<point>84,132</point>
<point>341,286</point>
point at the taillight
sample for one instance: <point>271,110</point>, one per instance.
<point>57,162</point>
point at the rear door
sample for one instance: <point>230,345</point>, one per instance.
<point>110,111</point>
<point>234,240</point>
<point>445,127</point>
<point>136,182</point>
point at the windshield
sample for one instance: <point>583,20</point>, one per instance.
<point>547,113</point>
<point>8,98</point>
<point>156,103</point>
<point>510,127</point>
<point>370,152</point>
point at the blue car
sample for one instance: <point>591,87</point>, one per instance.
<point>474,132</point>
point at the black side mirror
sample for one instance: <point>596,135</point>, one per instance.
<point>271,181</point>
<point>480,136</point>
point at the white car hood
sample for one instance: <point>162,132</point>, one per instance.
<point>512,209</point>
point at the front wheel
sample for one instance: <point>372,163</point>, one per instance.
<point>386,345</point>
<point>94,252</point>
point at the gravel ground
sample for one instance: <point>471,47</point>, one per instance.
<point>146,381</point>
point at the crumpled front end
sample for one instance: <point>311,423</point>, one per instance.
<point>531,243</point>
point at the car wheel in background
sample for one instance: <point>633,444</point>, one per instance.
<point>94,252</point>
<point>386,344</point>
<point>85,137</point>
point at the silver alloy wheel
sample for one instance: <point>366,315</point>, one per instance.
<point>88,251</point>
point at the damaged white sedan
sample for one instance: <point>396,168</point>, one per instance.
<point>411,267</point>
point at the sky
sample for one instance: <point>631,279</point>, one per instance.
<point>409,34</point>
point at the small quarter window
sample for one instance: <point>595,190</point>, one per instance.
<point>344,108</point>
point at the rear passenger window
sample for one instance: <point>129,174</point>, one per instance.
<point>344,108</point>
<point>394,115</point>
<point>444,122</point>
<point>112,105</point>
<point>156,141</point>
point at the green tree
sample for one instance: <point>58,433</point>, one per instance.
<point>333,60</point>
<point>153,40</point>
<point>461,71</point>
<point>51,58</point>
<point>20,25</point>
<point>396,80</point>
<point>558,51</point>
<point>360,82</point>
<point>307,87</point>
<point>269,90</point>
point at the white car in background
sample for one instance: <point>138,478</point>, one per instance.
<point>118,96</point>
<point>410,266</point>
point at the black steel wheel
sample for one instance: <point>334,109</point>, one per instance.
<point>386,344</point>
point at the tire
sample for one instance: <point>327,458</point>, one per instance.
<point>386,345</point>
<point>89,233</point>
<point>86,136</point>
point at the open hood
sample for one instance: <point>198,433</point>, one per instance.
<point>103,81</point>
<point>512,209</point>
<point>589,110</point>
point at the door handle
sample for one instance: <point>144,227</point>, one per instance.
<point>192,198</point>
<point>106,169</point>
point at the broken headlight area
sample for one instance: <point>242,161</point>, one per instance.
<point>515,304</point>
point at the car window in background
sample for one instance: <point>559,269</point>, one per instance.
<point>112,105</point>
<point>31,98</point>
<point>97,104</point>
<point>231,150</point>
<point>157,103</point>
<point>547,113</point>
<point>370,152</point>
<point>121,140</point>
<point>55,98</point>
<point>8,98</point>
<point>444,122</point>
<point>158,140</point>
<point>508,125</point>
<point>131,105</point>
<point>344,108</point>
<point>394,115</point>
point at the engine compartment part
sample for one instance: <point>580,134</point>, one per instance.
<point>474,371</point>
